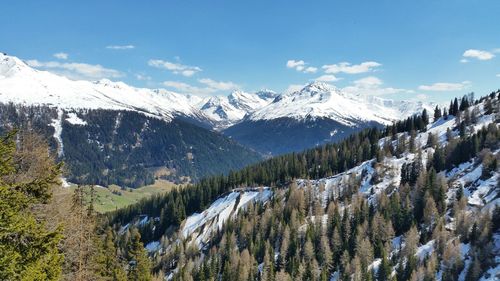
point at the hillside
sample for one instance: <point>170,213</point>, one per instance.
<point>127,148</point>
<point>416,201</point>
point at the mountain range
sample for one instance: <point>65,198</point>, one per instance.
<point>264,122</point>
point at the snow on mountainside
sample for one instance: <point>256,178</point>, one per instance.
<point>319,113</point>
<point>226,111</point>
<point>200,227</point>
<point>375,180</point>
<point>19,83</point>
<point>321,100</point>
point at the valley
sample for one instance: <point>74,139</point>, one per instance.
<point>250,140</point>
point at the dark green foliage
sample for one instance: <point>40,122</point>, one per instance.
<point>28,250</point>
<point>385,269</point>
<point>107,261</point>
<point>437,113</point>
<point>286,135</point>
<point>125,147</point>
<point>138,262</point>
<point>314,163</point>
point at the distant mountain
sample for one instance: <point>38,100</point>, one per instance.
<point>22,84</point>
<point>263,121</point>
<point>316,114</point>
<point>111,133</point>
<point>226,111</point>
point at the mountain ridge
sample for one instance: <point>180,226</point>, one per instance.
<point>21,83</point>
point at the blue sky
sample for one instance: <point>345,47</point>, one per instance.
<point>399,49</point>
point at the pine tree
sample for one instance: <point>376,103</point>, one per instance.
<point>285,244</point>
<point>139,264</point>
<point>108,266</point>
<point>425,116</point>
<point>80,241</point>
<point>474,272</point>
<point>385,269</point>
<point>28,250</point>
<point>437,113</point>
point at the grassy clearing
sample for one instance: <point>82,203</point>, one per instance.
<point>113,197</point>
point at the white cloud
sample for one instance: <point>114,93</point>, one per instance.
<point>300,65</point>
<point>348,68</point>
<point>295,63</point>
<point>176,68</point>
<point>218,85</point>
<point>75,70</point>
<point>445,87</point>
<point>422,97</point>
<point>210,86</point>
<point>369,81</point>
<point>498,75</point>
<point>143,77</point>
<point>372,86</point>
<point>327,78</point>
<point>311,69</point>
<point>61,56</point>
<point>478,54</point>
<point>464,60</point>
<point>120,47</point>
<point>188,89</point>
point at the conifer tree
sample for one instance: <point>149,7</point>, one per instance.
<point>28,250</point>
<point>108,266</point>
<point>437,113</point>
<point>385,269</point>
<point>138,262</point>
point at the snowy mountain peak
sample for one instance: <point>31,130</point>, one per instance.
<point>318,87</point>
<point>321,100</point>
<point>20,83</point>
<point>213,102</point>
<point>226,111</point>
<point>10,65</point>
<point>246,101</point>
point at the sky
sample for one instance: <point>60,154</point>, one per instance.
<point>426,50</point>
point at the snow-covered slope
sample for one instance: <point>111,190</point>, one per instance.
<point>226,111</point>
<point>199,227</point>
<point>320,100</point>
<point>317,114</point>
<point>19,83</point>
<point>222,112</point>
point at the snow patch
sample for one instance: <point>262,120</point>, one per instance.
<point>73,119</point>
<point>425,250</point>
<point>152,246</point>
<point>57,125</point>
<point>201,226</point>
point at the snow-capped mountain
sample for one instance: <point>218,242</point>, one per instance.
<point>226,111</point>
<point>316,114</point>
<point>21,84</point>
<point>93,126</point>
<point>265,121</point>
<point>321,100</point>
